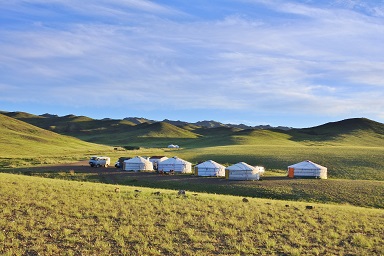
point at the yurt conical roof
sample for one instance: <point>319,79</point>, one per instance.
<point>174,160</point>
<point>241,166</point>
<point>209,164</point>
<point>307,165</point>
<point>137,160</point>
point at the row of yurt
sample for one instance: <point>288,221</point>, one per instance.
<point>175,164</point>
<point>307,169</point>
<point>242,171</point>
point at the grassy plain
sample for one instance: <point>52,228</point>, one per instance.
<point>364,193</point>
<point>56,217</point>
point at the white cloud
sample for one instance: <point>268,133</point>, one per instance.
<point>316,55</point>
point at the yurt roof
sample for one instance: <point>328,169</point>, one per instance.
<point>136,160</point>
<point>210,164</point>
<point>174,160</point>
<point>307,165</point>
<point>241,166</point>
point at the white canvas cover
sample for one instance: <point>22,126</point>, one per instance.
<point>242,171</point>
<point>176,164</point>
<point>210,168</point>
<point>308,169</point>
<point>137,164</point>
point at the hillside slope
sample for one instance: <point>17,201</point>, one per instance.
<point>347,126</point>
<point>71,124</point>
<point>106,131</point>
<point>353,131</point>
<point>22,140</point>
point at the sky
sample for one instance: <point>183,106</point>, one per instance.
<point>297,63</point>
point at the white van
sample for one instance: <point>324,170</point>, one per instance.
<point>97,161</point>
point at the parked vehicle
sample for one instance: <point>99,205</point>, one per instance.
<point>98,161</point>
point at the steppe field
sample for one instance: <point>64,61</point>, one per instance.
<point>53,203</point>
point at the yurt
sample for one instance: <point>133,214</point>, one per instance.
<point>242,171</point>
<point>176,164</point>
<point>173,146</point>
<point>210,168</point>
<point>137,163</point>
<point>155,160</point>
<point>307,169</point>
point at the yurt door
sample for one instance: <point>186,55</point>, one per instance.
<point>291,172</point>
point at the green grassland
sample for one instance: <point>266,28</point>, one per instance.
<point>25,144</point>
<point>363,193</point>
<point>51,216</point>
<point>350,149</point>
<point>56,217</point>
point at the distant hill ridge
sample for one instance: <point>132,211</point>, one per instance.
<point>140,120</point>
<point>138,131</point>
<point>331,127</point>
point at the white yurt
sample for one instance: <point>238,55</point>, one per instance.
<point>137,163</point>
<point>307,169</point>
<point>210,168</point>
<point>176,164</point>
<point>242,171</point>
<point>173,146</point>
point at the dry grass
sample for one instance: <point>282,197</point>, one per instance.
<point>55,217</point>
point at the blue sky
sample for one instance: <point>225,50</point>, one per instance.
<point>294,63</point>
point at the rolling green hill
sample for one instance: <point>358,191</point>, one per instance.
<point>162,130</point>
<point>106,131</point>
<point>72,125</point>
<point>354,131</point>
<point>350,149</point>
<point>346,126</point>
<point>20,141</point>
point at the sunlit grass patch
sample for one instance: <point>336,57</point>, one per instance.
<point>70,217</point>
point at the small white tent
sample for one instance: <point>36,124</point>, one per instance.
<point>137,164</point>
<point>173,146</point>
<point>242,171</point>
<point>210,168</point>
<point>307,169</point>
<point>176,164</point>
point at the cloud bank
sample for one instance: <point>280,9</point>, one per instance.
<point>248,59</point>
